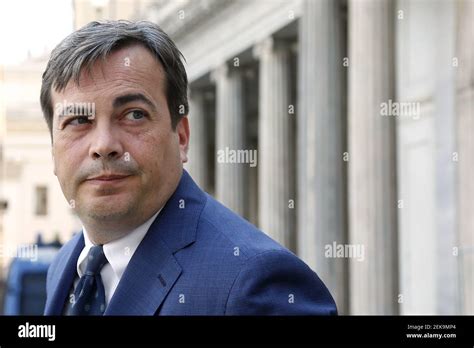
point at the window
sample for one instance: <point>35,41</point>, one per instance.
<point>41,200</point>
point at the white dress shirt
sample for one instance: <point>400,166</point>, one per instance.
<point>118,253</point>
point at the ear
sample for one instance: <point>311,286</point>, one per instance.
<point>182,129</point>
<point>54,162</point>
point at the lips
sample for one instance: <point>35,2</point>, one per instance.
<point>108,177</point>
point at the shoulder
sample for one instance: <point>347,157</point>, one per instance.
<point>264,278</point>
<point>276,282</point>
<point>220,223</point>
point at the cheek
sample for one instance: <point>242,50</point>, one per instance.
<point>62,171</point>
<point>58,158</point>
<point>156,153</point>
<point>66,160</point>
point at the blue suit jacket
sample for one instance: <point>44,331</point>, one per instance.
<point>201,259</point>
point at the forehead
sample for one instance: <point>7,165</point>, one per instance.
<point>130,67</point>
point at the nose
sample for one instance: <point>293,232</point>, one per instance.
<point>106,143</point>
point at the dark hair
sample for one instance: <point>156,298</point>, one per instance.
<point>84,47</point>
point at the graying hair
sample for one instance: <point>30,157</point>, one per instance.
<point>81,49</point>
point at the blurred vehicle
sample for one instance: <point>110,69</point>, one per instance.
<point>25,292</point>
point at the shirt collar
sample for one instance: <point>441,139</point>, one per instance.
<point>118,252</point>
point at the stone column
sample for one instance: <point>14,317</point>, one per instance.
<point>447,267</point>
<point>322,174</point>
<point>197,155</point>
<point>276,151</point>
<point>465,123</point>
<point>231,180</point>
<point>372,158</point>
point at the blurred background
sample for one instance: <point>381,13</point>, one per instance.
<point>342,128</point>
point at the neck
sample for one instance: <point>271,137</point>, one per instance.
<point>103,231</point>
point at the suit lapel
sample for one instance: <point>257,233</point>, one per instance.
<point>149,276</point>
<point>65,273</point>
<point>153,269</point>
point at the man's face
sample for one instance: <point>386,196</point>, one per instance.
<point>118,166</point>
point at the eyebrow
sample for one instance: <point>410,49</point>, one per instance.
<point>128,98</point>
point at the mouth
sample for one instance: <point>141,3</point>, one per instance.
<point>107,178</point>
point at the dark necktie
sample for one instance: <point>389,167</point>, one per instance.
<point>89,296</point>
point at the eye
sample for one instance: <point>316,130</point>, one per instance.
<point>79,120</point>
<point>135,115</point>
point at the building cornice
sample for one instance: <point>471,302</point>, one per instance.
<point>179,17</point>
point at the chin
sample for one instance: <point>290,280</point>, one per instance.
<point>107,216</point>
<point>108,209</point>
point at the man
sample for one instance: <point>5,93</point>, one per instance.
<point>114,96</point>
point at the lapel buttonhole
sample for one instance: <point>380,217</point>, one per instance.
<point>162,281</point>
